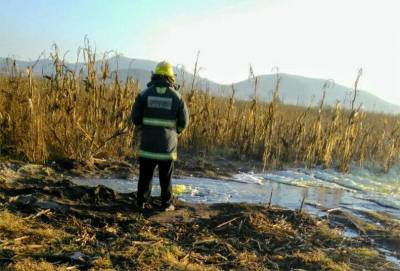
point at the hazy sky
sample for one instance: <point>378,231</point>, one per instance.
<point>316,38</point>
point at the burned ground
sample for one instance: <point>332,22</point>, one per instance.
<point>49,223</point>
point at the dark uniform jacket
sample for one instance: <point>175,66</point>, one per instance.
<point>161,114</point>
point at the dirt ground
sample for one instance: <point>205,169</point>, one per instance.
<point>49,223</point>
<point>189,164</point>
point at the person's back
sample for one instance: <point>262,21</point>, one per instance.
<point>161,114</point>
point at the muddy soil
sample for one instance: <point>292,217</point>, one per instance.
<point>189,164</point>
<point>49,223</point>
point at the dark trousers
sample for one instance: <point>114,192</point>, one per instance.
<point>147,167</point>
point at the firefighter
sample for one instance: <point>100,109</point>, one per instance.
<point>160,113</point>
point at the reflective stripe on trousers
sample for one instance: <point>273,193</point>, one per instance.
<point>158,156</point>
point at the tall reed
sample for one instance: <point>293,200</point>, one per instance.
<point>85,114</point>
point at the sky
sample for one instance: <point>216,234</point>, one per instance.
<point>328,39</point>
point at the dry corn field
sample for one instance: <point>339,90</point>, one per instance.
<point>86,115</point>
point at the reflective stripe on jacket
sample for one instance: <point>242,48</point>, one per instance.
<point>161,114</point>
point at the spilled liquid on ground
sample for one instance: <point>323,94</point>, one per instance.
<point>361,189</point>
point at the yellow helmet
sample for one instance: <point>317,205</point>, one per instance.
<point>166,69</point>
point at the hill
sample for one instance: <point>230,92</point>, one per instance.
<point>294,89</point>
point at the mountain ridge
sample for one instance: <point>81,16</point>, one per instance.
<point>294,89</point>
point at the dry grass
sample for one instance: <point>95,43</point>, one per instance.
<point>29,264</point>
<point>81,115</point>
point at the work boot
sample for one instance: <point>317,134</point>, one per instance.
<point>168,207</point>
<point>144,207</point>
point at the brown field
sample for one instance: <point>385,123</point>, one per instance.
<point>86,115</point>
